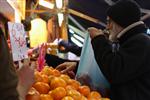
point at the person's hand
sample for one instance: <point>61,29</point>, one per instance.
<point>66,67</point>
<point>65,46</point>
<point>26,78</point>
<point>94,32</point>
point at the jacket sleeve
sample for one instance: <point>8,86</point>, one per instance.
<point>119,66</point>
<point>53,60</point>
<point>8,76</point>
<point>71,47</point>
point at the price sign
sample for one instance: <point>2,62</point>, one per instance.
<point>18,41</point>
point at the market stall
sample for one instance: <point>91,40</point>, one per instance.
<point>27,24</point>
<point>36,29</point>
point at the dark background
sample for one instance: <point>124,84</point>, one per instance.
<point>97,9</point>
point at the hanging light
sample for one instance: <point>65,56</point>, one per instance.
<point>78,37</point>
<point>60,18</point>
<point>71,31</point>
<point>38,33</point>
<point>76,42</point>
<point>46,4</point>
<point>148,31</point>
<point>18,13</point>
<point>59,4</point>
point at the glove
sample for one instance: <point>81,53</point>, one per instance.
<point>64,46</point>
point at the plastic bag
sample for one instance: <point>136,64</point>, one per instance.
<point>41,58</point>
<point>88,72</point>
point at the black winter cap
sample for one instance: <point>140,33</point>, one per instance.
<point>124,12</point>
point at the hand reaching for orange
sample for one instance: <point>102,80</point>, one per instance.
<point>66,67</point>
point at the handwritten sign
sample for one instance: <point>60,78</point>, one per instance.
<point>18,41</point>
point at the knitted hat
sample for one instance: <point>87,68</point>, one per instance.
<point>124,12</point>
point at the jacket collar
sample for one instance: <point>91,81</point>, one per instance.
<point>131,30</point>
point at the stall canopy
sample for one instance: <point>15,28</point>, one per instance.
<point>94,10</point>
<point>86,13</point>
<point>81,14</point>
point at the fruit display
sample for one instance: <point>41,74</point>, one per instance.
<point>50,84</point>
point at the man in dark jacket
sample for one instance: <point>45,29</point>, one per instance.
<point>124,57</point>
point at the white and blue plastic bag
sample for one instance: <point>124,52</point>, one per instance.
<point>88,72</point>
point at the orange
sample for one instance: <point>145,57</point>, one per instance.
<point>67,98</point>
<point>83,98</point>
<point>56,72</point>
<point>65,77</point>
<point>84,90</point>
<point>33,94</point>
<point>50,93</point>
<point>50,71</point>
<point>39,77</point>
<point>45,79</point>
<point>50,78</point>
<point>57,82</point>
<point>69,87</point>
<point>47,70</point>
<point>75,84</point>
<point>94,95</point>
<point>58,93</point>
<point>45,97</point>
<point>75,94</point>
<point>104,99</point>
<point>41,87</point>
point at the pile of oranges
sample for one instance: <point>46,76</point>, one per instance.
<point>50,84</point>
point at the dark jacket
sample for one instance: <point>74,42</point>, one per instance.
<point>8,76</point>
<point>53,60</point>
<point>128,67</point>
